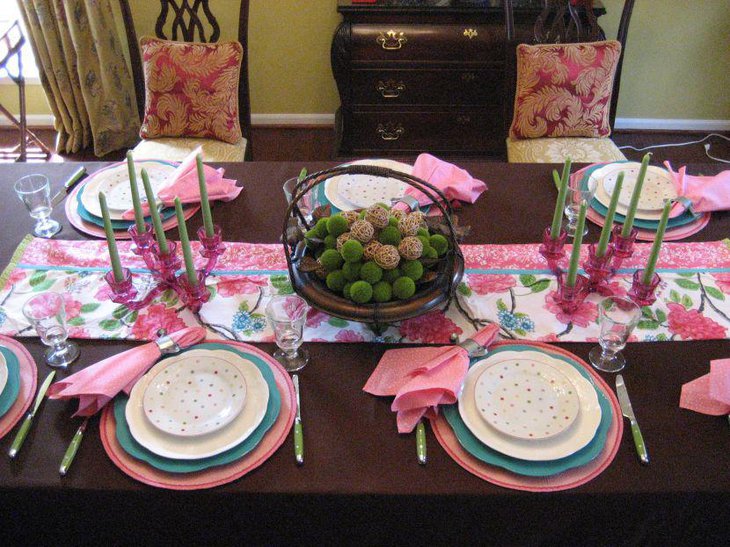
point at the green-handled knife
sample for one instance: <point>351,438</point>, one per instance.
<point>421,442</point>
<point>23,431</point>
<point>75,177</point>
<point>73,447</point>
<point>302,174</point>
<point>298,431</point>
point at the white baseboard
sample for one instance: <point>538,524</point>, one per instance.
<point>659,124</point>
<point>33,120</point>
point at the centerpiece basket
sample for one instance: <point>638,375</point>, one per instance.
<point>436,292</point>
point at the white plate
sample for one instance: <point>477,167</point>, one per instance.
<point>658,186</point>
<point>3,372</point>
<point>186,448</point>
<point>114,182</point>
<point>526,399</point>
<point>553,448</point>
<point>195,396</point>
<point>348,192</point>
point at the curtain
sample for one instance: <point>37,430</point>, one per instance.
<point>83,71</point>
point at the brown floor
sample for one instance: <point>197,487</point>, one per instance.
<point>317,143</point>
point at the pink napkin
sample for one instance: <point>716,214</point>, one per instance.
<point>704,193</point>
<point>96,385</point>
<point>454,182</point>
<point>184,184</point>
<point>423,378</point>
<point>709,394</point>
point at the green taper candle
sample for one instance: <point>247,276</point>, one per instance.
<point>656,247</point>
<point>577,241</point>
<point>155,214</point>
<point>185,244</point>
<point>110,241</point>
<point>560,203</point>
<point>204,203</point>
<point>608,225</point>
<point>138,216</point>
<point>629,222</point>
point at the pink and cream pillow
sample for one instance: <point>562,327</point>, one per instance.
<point>191,89</point>
<point>564,90</point>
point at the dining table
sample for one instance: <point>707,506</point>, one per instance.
<point>361,481</point>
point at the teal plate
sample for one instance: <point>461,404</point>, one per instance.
<point>533,468</point>
<point>12,386</point>
<point>136,450</point>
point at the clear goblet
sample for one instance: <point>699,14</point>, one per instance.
<point>617,317</point>
<point>35,192</point>
<point>286,315</point>
<point>578,192</point>
<point>46,312</point>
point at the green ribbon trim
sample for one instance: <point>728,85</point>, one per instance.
<point>14,260</point>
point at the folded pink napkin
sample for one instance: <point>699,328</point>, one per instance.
<point>423,378</point>
<point>96,385</point>
<point>709,394</point>
<point>454,182</point>
<point>184,184</point>
<point>703,193</point>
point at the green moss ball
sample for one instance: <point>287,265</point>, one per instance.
<point>336,280</point>
<point>423,232</point>
<point>429,252</point>
<point>330,242</point>
<point>412,269</point>
<point>352,270</point>
<point>390,236</point>
<point>383,205</point>
<point>321,228</point>
<point>361,292</point>
<point>346,290</point>
<point>393,221</point>
<point>404,287</point>
<point>351,250</point>
<point>362,214</point>
<point>391,275</point>
<point>382,291</point>
<point>336,225</point>
<point>371,272</point>
<point>439,243</point>
<point>425,240</point>
<point>331,260</point>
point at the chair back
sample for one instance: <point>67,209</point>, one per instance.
<point>189,21</point>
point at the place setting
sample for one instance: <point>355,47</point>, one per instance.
<point>18,381</point>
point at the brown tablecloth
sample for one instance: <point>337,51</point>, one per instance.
<point>361,482</point>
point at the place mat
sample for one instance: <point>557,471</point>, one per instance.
<point>215,476</point>
<point>508,285</point>
<point>571,478</point>
<point>28,382</point>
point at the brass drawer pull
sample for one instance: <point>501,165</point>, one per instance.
<point>392,40</point>
<point>390,131</point>
<point>468,76</point>
<point>470,33</point>
<point>463,119</point>
<point>390,89</point>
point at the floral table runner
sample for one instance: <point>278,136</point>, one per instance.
<point>505,284</point>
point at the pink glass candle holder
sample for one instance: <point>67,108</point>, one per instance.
<point>598,269</point>
<point>623,247</point>
<point>167,263</point>
<point>123,290</point>
<point>211,247</point>
<point>570,298</point>
<point>553,249</point>
<point>143,241</point>
<point>640,292</point>
<point>194,296</point>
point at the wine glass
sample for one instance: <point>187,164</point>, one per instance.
<point>46,312</point>
<point>286,315</point>
<point>617,317</point>
<point>577,193</point>
<point>35,192</point>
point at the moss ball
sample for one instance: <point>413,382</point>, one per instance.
<point>404,287</point>
<point>383,205</point>
<point>393,221</point>
<point>425,240</point>
<point>390,236</point>
<point>371,272</point>
<point>321,228</point>
<point>361,214</point>
<point>440,243</point>
<point>430,252</point>
<point>412,269</point>
<point>382,291</point>
<point>330,242</point>
<point>346,290</point>
<point>336,225</point>
<point>392,275</point>
<point>331,260</point>
<point>352,270</point>
<point>336,280</point>
<point>423,232</point>
<point>361,292</point>
<point>341,239</point>
<point>351,251</point>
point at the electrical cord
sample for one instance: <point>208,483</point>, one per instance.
<point>669,145</point>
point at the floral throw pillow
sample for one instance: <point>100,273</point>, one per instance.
<point>191,89</point>
<point>564,90</point>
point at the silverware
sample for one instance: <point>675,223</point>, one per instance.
<point>298,431</point>
<point>421,442</point>
<point>25,427</point>
<point>73,447</point>
<point>76,176</point>
<point>628,412</point>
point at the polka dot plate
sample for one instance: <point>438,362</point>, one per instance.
<point>526,399</point>
<point>195,397</point>
<point>361,191</point>
<point>658,187</point>
<point>3,372</point>
<point>563,444</point>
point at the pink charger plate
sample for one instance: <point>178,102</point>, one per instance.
<point>28,383</point>
<point>562,481</point>
<point>672,234</point>
<point>214,476</point>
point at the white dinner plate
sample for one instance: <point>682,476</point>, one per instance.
<point>658,187</point>
<point>195,396</point>
<point>210,444</point>
<point>3,372</point>
<point>558,446</point>
<point>348,192</point>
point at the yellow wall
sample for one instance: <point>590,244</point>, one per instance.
<point>677,63</point>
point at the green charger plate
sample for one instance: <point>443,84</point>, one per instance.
<point>12,386</point>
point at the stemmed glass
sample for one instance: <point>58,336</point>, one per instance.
<point>617,317</point>
<point>35,192</point>
<point>577,194</point>
<point>287,315</point>
<point>46,312</point>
